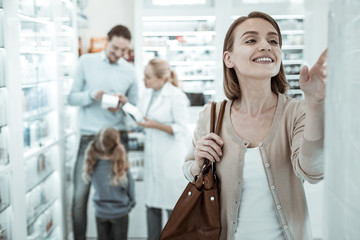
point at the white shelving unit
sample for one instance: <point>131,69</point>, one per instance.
<point>38,123</point>
<point>5,166</point>
<point>188,44</point>
<point>293,31</point>
<point>197,32</point>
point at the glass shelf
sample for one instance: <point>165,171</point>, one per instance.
<point>292,47</point>
<point>199,33</point>
<point>192,63</point>
<point>40,198</point>
<point>196,78</point>
<point>41,209</point>
<point>42,227</point>
<point>287,62</point>
<point>26,18</point>
<point>37,83</point>
<point>43,145</point>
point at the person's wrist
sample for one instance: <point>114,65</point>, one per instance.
<point>311,103</point>
<point>93,94</point>
<point>195,168</point>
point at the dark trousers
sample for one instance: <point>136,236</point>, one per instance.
<point>154,222</point>
<point>82,189</point>
<point>112,229</point>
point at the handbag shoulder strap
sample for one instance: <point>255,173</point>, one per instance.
<point>207,164</point>
<point>219,119</point>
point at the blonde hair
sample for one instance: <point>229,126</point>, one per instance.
<point>107,142</point>
<point>231,83</point>
<point>162,69</point>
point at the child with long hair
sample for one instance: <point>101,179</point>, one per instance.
<point>106,168</point>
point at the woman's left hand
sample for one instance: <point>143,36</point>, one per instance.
<point>312,82</point>
<point>148,123</point>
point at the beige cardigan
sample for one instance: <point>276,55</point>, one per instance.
<point>288,160</point>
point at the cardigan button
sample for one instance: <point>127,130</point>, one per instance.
<point>285,227</point>
<point>267,165</point>
<point>189,193</point>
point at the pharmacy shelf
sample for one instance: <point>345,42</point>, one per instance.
<point>292,32</point>
<point>33,45</point>
<point>196,78</point>
<point>192,63</point>
<point>189,33</point>
<point>287,62</point>
<point>292,47</point>
<point>25,18</point>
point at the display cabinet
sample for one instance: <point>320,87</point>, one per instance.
<point>292,30</point>
<point>136,153</point>
<point>188,44</point>
<point>40,37</point>
<point>5,168</point>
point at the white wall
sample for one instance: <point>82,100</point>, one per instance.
<point>342,144</point>
<point>103,15</point>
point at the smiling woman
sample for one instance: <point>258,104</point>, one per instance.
<point>244,36</point>
<point>267,148</point>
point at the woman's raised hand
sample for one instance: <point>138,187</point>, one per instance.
<point>312,82</point>
<point>208,147</point>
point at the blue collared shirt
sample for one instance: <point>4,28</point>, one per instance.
<point>95,73</point>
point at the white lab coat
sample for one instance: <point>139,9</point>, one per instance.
<point>165,153</point>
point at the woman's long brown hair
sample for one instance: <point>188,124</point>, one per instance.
<point>107,143</point>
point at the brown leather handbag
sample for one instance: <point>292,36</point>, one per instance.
<point>196,215</point>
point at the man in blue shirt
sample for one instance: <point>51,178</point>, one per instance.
<point>98,74</point>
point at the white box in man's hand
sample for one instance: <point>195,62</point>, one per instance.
<point>109,101</point>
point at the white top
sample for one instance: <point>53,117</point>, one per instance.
<point>257,218</point>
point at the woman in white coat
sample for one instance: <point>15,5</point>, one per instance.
<point>166,117</point>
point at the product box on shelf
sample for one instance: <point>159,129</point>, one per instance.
<point>136,144</point>
<point>40,199</point>
<point>43,227</point>
<point>39,168</point>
